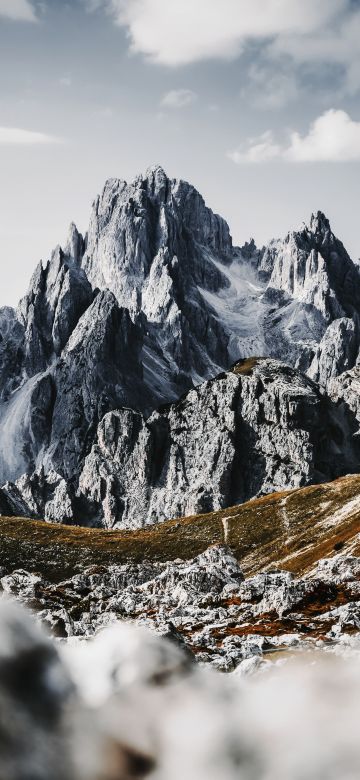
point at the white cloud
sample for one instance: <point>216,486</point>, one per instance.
<point>337,44</point>
<point>333,137</point>
<point>178,98</point>
<point>18,10</point>
<point>256,150</point>
<point>179,32</point>
<point>11,136</point>
<point>184,31</point>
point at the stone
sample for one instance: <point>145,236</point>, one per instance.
<point>245,433</point>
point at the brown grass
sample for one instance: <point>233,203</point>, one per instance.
<point>288,530</point>
<point>245,366</point>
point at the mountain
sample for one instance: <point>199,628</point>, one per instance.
<point>316,285</point>
<point>154,301</point>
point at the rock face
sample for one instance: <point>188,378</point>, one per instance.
<point>153,244</point>
<point>154,301</point>
<point>99,369</point>
<point>52,418</point>
<point>312,266</point>
<point>41,495</point>
<point>206,605</point>
<point>58,296</point>
<point>345,390</point>
<point>251,431</point>
<point>258,428</point>
<point>314,283</point>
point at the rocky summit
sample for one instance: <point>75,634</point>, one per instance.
<point>114,406</point>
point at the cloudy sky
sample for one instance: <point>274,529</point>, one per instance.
<point>256,102</point>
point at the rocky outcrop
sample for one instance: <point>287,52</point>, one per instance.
<point>11,352</point>
<point>336,353</point>
<point>312,265</point>
<point>152,221</point>
<point>59,294</point>
<point>98,370</point>
<point>313,288</point>
<point>345,390</point>
<point>51,420</point>
<point>25,426</point>
<point>153,243</point>
<point>206,605</point>
<point>48,497</point>
<point>259,428</point>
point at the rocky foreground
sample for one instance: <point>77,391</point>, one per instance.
<point>207,606</point>
<point>276,574</point>
<point>131,705</point>
<point>116,669</point>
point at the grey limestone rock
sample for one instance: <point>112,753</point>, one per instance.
<point>345,390</point>
<point>204,603</point>
<point>243,434</point>
<point>98,370</point>
<point>153,243</point>
<point>58,295</point>
<point>337,351</point>
<point>38,495</point>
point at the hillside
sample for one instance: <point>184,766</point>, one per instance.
<point>289,530</point>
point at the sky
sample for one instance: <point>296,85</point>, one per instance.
<point>255,102</point>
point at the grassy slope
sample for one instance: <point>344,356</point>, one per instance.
<point>291,530</point>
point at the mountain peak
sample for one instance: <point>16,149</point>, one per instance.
<point>319,223</point>
<point>157,181</point>
<point>156,170</point>
<point>75,245</point>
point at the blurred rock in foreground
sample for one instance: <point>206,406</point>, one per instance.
<point>130,704</point>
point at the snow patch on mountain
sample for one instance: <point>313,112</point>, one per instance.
<point>15,422</point>
<point>240,308</point>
